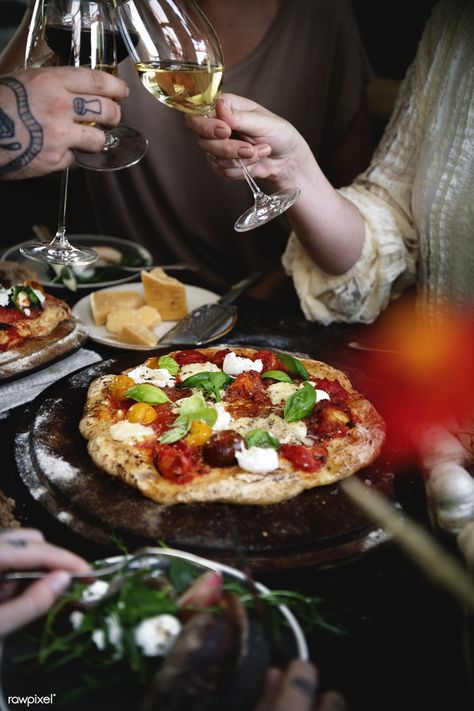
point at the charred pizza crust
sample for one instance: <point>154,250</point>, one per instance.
<point>134,463</point>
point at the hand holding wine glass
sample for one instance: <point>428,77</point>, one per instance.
<point>78,33</point>
<point>179,60</point>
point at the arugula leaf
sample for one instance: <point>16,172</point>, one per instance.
<point>277,375</point>
<point>294,365</point>
<point>209,381</point>
<point>300,404</point>
<point>261,438</point>
<point>151,394</point>
<point>169,364</point>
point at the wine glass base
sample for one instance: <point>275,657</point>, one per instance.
<point>128,148</point>
<point>54,253</point>
<point>266,210</point>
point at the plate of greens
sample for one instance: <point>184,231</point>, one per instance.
<point>113,251</point>
<point>169,630</point>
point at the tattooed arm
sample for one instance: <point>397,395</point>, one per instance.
<point>39,114</point>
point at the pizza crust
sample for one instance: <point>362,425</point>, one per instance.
<point>133,465</point>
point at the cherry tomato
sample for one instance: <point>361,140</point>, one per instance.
<point>141,412</point>
<point>119,386</point>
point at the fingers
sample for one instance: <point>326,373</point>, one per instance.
<point>292,690</point>
<point>92,81</point>
<point>35,601</point>
<point>19,536</point>
<point>37,555</point>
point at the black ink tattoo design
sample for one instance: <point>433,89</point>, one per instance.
<point>34,129</point>
<point>7,130</point>
<point>81,106</point>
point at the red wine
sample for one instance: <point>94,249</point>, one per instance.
<point>59,39</point>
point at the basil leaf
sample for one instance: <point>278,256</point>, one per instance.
<point>300,404</point>
<point>209,381</point>
<point>261,438</point>
<point>277,375</point>
<point>176,433</point>
<point>150,394</point>
<point>195,408</point>
<point>30,298</point>
<point>294,365</point>
<point>192,408</point>
<point>169,364</point>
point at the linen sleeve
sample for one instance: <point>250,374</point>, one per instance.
<point>383,194</point>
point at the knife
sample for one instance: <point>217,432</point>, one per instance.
<point>201,323</point>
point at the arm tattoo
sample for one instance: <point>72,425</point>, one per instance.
<point>7,129</point>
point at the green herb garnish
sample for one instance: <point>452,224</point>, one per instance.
<point>209,381</point>
<point>294,365</point>
<point>151,394</point>
<point>192,408</point>
<point>261,438</point>
<point>277,375</point>
<point>169,364</point>
<point>300,404</point>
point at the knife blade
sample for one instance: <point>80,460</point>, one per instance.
<point>201,323</point>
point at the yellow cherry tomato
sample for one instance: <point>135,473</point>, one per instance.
<point>141,412</point>
<point>199,433</point>
<point>152,362</point>
<point>119,386</point>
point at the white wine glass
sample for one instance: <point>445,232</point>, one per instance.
<point>77,33</point>
<point>179,60</point>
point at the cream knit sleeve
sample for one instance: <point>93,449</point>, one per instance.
<point>383,195</point>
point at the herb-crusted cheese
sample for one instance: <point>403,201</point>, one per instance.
<point>285,432</point>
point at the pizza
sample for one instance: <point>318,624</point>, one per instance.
<point>27,312</point>
<point>235,425</point>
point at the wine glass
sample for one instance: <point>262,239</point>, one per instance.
<point>179,60</point>
<point>76,32</point>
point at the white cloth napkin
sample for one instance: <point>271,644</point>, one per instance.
<point>23,390</point>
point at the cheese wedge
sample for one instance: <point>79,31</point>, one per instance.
<point>102,303</point>
<point>146,316</point>
<point>137,335</point>
<point>165,293</point>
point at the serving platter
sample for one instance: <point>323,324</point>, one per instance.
<point>318,527</point>
<point>240,691</point>
<point>195,296</point>
<point>133,254</point>
<point>36,353</point>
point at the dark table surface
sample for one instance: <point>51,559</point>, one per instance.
<point>402,641</point>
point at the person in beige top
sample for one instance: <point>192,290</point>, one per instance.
<point>408,218</point>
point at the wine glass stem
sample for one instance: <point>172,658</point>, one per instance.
<point>258,195</point>
<point>61,231</point>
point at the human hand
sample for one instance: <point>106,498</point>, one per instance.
<point>40,111</point>
<point>265,141</point>
<point>295,690</point>
<point>26,549</point>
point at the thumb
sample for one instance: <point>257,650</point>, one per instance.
<point>35,601</point>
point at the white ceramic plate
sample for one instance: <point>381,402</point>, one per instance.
<point>133,254</point>
<point>195,295</point>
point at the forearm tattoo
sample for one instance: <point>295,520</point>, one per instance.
<point>9,130</point>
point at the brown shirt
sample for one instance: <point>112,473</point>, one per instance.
<point>310,68</point>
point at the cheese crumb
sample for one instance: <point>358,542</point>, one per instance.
<point>235,365</point>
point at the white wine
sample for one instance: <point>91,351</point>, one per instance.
<point>192,88</point>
